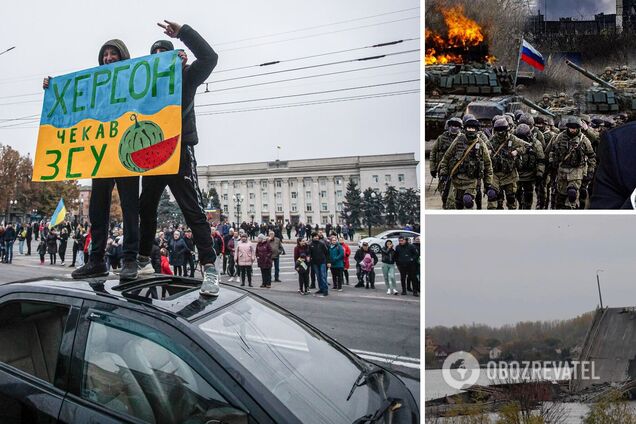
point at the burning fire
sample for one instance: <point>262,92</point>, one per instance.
<point>463,34</point>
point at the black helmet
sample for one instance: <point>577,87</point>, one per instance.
<point>467,117</point>
<point>454,122</point>
<point>523,131</point>
<point>539,120</point>
<point>518,114</point>
<point>573,122</point>
<point>527,119</point>
<point>494,118</point>
<point>501,124</point>
<point>472,122</point>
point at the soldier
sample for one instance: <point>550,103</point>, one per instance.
<point>571,157</point>
<point>561,100</point>
<point>531,167</point>
<point>546,101</point>
<point>623,75</point>
<point>591,133</point>
<point>485,139</point>
<point>466,162</point>
<point>506,147</point>
<point>608,74</point>
<point>453,128</point>
<point>528,119</point>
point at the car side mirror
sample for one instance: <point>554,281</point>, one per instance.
<point>226,415</point>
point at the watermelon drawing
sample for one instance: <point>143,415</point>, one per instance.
<point>142,147</point>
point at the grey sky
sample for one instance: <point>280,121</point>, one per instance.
<point>501,269</point>
<point>65,36</point>
<point>579,9</point>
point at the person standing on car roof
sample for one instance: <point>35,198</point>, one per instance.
<point>184,185</point>
<point>101,196</point>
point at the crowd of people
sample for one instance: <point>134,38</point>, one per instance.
<point>295,230</point>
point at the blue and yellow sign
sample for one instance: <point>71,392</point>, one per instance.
<point>116,120</point>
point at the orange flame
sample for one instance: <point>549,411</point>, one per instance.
<point>463,33</point>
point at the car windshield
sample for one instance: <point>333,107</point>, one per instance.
<point>385,234</point>
<point>305,372</point>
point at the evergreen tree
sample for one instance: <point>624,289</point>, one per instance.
<point>168,212</point>
<point>372,209</point>
<point>391,205</point>
<point>409,206</point>
<point>214,199</point>
<point>352,206</point>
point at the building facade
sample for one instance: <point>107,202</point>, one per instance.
<point>309,191</point>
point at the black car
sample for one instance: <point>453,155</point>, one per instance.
<point>154,350</point>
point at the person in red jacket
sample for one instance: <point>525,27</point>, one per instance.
<point>165,263</point>
<point>347,253</point>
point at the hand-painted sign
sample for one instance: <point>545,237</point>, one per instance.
<point>116,120</point>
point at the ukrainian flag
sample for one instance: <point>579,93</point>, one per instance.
<point>58,215</point>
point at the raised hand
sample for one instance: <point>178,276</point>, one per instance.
<point>171,29</point>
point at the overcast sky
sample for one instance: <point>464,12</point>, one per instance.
<point>503,269</point>
<point>54,38</point>
<point>580,9</point>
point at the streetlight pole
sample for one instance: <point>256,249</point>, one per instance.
<point>598,285</point>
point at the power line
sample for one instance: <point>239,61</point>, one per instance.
<point>276,62</point>
<point>20,118</point>
<point>7,50</point>
<point>316,102</point>
<point>319,34</point>
<point>308,76</point>
<point>315,27</point>
<point>361,87</point>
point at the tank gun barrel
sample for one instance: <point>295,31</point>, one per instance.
<point>590,75</point>
<point>536,107</point>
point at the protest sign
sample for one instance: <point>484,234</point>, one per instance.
<point>116,120</point>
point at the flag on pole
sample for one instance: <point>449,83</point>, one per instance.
<point>58,215</point>
<point>531,56</point>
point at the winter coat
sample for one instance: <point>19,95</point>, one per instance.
<point>318,253</point>
<point>9,234</point>
<point>336,256</point>
<point>347,253</point>
<point>367,263</point>
<point>190,245</point>
<point>63,241</point>
<point>178,250</point>
<point>217,243</point>
<point>51,244</point>
<point>359,256</point>
<point>245,253</point>
<point>406,254</point>
<point>230,246</point>
<point>302,270</point>
<point>42,248</point>
<point>165,266</point>
<point>388,256</point>
<point>298,250</point>
<point>264,255</point>
<point>276,246</point>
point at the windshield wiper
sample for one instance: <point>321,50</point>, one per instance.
<point>365,373</point>
<point>393,404</point>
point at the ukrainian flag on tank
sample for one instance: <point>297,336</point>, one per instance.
<point>116,120</point>
<point>58,215</point>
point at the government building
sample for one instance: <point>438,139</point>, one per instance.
<point>309,191</point>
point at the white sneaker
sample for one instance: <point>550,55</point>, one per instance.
<point>231,280</point>
<point>210,285</point>
<point>388,291</point>
<point>144,267</point>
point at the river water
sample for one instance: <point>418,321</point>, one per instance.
<point>435,387</point>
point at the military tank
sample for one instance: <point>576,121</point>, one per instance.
<point>607,98</point>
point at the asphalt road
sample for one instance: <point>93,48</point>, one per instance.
<point>379,327</point>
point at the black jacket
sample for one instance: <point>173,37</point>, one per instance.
<point>615,178</point>
<point>359,256</point>
<point>193,76</point>
<point>9,234</point>
<point>406,255</point>
<point>388,256</point>
<point>318,253</point>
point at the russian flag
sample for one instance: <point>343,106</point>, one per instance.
<point>531,56</point>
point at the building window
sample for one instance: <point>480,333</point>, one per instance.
<point>323,194</point>
<point>338,181</point>
<point>308,195</point>
<point>401,178</point>
<point>225,196</point>
<point>323,182</point>
<point>235,184</point>
<point>339,207</point>
<point>264,183</point>
<point>387,178</point>
<point>294,195</point>
<point>279,183</point>
<point>292,183</point>
<point>225,208</point>
<point>252,208</point>
<point>309,219</point>
<point>355,180</point>
<point>264,207</point>
<point>252,196</point>
<point>279,195</point>
<point>325,220</point>
<point>279,208</point>
<point>264,195</point>
<point>224,185</point>
<point>324,207</point>
<point>250,184</point>
<point>308,207</point>
<point>375,179</point>
<point>338,193</point>
<point>294,207</point>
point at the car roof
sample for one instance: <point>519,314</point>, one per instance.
<point>186,302</point>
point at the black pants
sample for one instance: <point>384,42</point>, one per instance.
<point>408,277</point>
<point>52,257</point>
<point>303,281</point>
<point>177,270</point>
<point>336,276</point>
<point>266,273</point>
<point>346,275</point>
<point>99,214</point>
<point>245,270</point>
<point>62,251</point>
<point>75,250</point>
<point>189,265</point>
<point>231,267</point>
<point>28,243</point>
<point>185,189</point>
<point>525,194</point>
